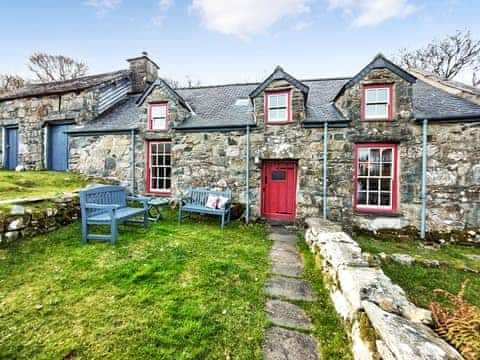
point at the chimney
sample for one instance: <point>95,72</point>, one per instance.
<point>144,72</point>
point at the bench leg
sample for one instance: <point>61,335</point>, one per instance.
<point>180,215</point>
<point>113,231</point>
<point>223,220</point>
<point>228,217</point>
<point>84,231</point>
<point>145,219</point>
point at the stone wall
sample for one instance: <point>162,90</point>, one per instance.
<point>33,113</point>
<point>382,323</point>
<point>22,222</point>
<point>107,156</point>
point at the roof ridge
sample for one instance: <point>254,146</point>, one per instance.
<point>257,83</point>
<point>77,79</point>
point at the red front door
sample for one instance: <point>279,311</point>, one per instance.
<point>279,189</point>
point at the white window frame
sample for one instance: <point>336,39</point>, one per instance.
<point>286,107</point>
<point>153,108</point>
<point>156,175</point>
<point>367,103</point>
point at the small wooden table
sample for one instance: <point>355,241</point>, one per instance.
<point>155,208</point>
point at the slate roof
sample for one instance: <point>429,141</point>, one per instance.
<point>214,107</point>
<point>435,104</point>
<point>124,116</point>
<point>60,87</point>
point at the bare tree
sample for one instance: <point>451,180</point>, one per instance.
<point>48,67</point>
<point>446,57</point>
<point>10,82</point>
<point>176,84</point>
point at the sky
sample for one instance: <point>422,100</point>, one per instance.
<point>227,41</point>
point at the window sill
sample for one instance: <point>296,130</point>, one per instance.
<point>159,193</point>
<point>372,213</point>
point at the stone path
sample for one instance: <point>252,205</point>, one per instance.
<point>288,339</point>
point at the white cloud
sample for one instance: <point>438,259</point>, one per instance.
<point>163,6</point>
<point>244,18</point>
<point>103,6</point>
<point>373,12</point>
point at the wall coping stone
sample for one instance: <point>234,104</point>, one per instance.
<point>359,289</point>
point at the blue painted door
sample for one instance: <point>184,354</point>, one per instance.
<point>57,157</point>
<point>11,148</point>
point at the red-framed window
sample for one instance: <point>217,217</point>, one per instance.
<point>278,109</point>
<point>377,102</point>
<point>376,178</point>
<point>159,167</point>
<point>158,116</point>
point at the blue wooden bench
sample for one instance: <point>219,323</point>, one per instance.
<point>107,205</point>
<point>196,200</point>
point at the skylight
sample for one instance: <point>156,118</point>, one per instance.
<point>242,102</point>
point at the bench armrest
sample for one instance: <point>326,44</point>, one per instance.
<point>101,206</point>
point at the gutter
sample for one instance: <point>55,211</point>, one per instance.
<point>423,219</point>
<point>99,132</point>
<point>452,118</point>
<point>214,128</point>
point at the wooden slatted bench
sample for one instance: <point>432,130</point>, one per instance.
<point>107,205</point>
<point>196,202</point>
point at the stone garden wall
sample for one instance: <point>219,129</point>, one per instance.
<point>382,322</point>
<point>22,222</point>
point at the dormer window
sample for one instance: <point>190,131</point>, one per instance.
<point>377,102</point>
<point>158,117</point>
<point>277,107</point>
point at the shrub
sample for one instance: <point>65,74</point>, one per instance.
<point>460,324</point>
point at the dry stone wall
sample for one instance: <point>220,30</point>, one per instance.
<point>383,323</point>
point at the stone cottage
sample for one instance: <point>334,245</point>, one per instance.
<point>381,149</point>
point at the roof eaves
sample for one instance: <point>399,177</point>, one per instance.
<point>450,118</point>
<point>163,84</point>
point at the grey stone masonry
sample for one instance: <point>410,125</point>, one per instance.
<point>368,300</point>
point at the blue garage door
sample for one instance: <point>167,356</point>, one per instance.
<point>57,157</point>
<point>11,148</point>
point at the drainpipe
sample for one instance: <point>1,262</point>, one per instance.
<point>247,177</point>
<point>424,179</point>
<point>133,162</point>
<point>325,168</point>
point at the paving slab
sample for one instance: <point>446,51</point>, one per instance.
<point>287,270</point>
<point>289,238</point>
<point>285,257</point>
<point>284,246</point>
<point>282,344</point>
<point>292,289</point>
<point>283,313</point>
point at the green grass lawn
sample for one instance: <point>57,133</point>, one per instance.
<point>26,184</point>
<point>419,281</point>
<point>328,327</point>
<point>171,292</point>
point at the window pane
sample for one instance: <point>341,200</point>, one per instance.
<point>387,155</point>
<point>387,170</point>
<point>373,184</point>
<point>374,170</point>
<point>363,169</point>
<point>159,123</point>
<point>282,100</point>
<point>385,185</point>
<point>371,95</point>
<point>363,155</point>
<point>385,198</point>
<point>382,95</point>
<point>373,198</point>
<point>370,111</point>
<point>362,184</point>
<point>272,100</point>
<point>381,110</point>
<point>158,111</point>
<point>375,155</point>
<point>362,198</point>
